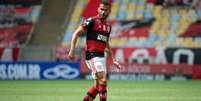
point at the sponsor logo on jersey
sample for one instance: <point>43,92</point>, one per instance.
<point>102,38</point>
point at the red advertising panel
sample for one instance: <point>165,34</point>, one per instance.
<point>9,54</point>
<point>167,69</point>
<point>196,72</point>
<point>155,61</point>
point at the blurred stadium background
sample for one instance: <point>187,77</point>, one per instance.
<point>158,41</point>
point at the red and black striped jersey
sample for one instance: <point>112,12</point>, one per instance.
<point>98,32</point>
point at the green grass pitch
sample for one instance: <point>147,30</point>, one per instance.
<point>74,90</point>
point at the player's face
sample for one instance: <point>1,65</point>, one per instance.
<point>103,11</point>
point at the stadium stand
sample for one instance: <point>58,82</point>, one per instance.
<point>50,26</point>
<point>171,23</point>
<point>74,20</point>
<point>17,21</point>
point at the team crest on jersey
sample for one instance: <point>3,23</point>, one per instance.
<point>88,21</point>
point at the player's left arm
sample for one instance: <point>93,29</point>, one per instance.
<point>109,52</point>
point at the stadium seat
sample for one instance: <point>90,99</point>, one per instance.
<point>20,19</point>
<point>169,23</point>
<point>114,10</point>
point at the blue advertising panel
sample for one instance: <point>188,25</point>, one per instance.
<point>39,70</point>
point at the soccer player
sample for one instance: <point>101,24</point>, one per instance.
<point>98,32</point>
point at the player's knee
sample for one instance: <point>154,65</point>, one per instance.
<point>96,83</point>
<point>99,75</point>
<point>103,81</point>
<point>101,78</point>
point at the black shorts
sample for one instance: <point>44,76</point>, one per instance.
<point>90,55</point>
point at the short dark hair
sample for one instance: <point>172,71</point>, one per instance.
<point>105,2</point>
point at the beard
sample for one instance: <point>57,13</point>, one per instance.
<point>103,15</point>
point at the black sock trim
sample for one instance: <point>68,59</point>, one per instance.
<point>103,92</point>
<point>90,95</point>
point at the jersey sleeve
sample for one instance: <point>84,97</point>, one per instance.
<point>87,23</point>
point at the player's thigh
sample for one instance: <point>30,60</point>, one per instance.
<point>101,75</point>
<point>97,64</point>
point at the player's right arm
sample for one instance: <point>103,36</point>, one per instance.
<point>80,30</point>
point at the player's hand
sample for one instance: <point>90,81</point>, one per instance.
<point>117,64</point>
<point>71,56</point>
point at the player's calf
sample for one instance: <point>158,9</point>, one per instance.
<point>102,89</point>
<point>102,92</point>
<point>91,94</point>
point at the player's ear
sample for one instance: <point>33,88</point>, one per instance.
<point>98,10</point>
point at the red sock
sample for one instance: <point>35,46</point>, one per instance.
<point>103,92</point>
<point>92,92</point>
